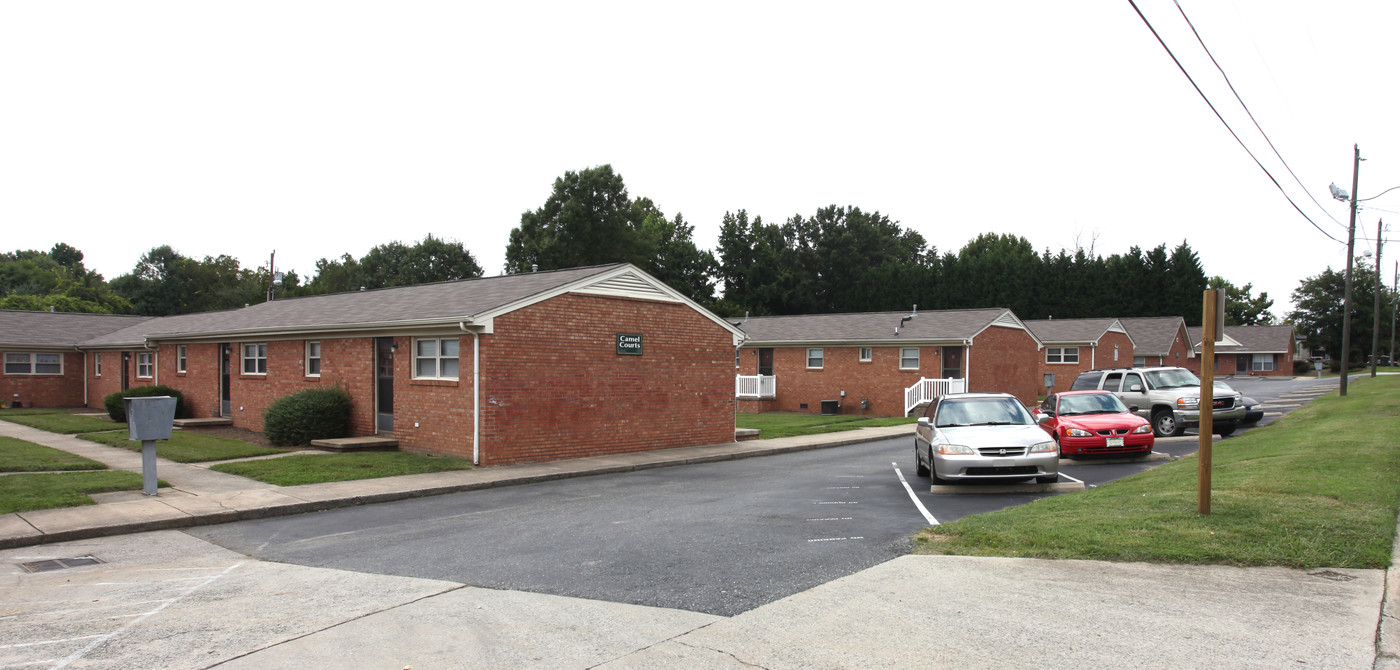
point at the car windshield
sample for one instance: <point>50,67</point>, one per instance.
<point>1171,379</point>
<point>1093,403</point>
<point>981,412</point>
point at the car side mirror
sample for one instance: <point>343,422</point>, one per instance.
<point>1044,419</point>
<point>924,421</point>
<point>1135,388</point>
<point>1133,408</point>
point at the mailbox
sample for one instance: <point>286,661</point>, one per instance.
<point>150,418</point>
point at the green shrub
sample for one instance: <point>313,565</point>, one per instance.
<point>116,409</point>
<point>317,414</point>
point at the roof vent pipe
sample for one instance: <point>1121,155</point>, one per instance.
<point>916,310</point>
<point>534,267</point>
<point>746,316</point>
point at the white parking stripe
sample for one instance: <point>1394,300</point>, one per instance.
<point>922,510</point>
<point>1071,478</point>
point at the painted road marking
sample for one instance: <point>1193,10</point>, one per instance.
<point>1071,478</point>
<point>836,539</point>
<point>835,518</point>
<point>917,503</point>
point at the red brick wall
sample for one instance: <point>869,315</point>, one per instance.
<point>1000,359</point>
<point>1226,365</point>
<point>65,390</point>
<point>1179,355</point>
<point>880,380</point>
<point>554,386</point>
<point>1089,359</point>
<point>1005,360</point>
<point>347,362</point>
<point>435,416</point>
<point>199,383</point>
<point>111,380</point>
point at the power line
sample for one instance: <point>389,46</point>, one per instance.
<point>1201,93</point>
<point>1253,120</point>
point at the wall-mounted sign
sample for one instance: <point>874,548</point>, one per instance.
<point>629,344</point>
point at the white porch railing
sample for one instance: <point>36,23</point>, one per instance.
<point>925,390</point>
<point>755,386</point>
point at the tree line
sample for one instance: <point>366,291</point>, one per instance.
<point>838,259</point>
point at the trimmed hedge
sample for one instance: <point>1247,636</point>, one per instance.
<point>116,409</point>
<point>316,414</point>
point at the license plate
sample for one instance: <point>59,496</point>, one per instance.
<point>1115,441</point>
<point>1003,462</point>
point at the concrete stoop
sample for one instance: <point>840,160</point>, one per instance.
<point>368,443</point>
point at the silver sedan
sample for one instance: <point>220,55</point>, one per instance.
<point>983,436</point>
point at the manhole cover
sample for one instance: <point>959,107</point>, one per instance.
<point>59,563</point>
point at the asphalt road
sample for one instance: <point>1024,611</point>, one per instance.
<point>718,538</point>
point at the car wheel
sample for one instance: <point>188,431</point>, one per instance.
<point>919,468</point>
<point>1060,448</point>
<point>933,473</point>
<point>1164,424</point>
<point>1225,432</point>
<point>1047,480</point>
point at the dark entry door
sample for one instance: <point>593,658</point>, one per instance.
<point>225,394</point>
<point>1242,364</point>
<point>952,362</point>
<point>384,384</point>
<point>126,370</point>
<point>765,361</point>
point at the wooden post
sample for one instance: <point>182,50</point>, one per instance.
<point>1210,327</point>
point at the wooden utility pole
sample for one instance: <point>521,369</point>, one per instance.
<point>1351,245</point>
<point>1210,332</point>
<point>1376,318</point>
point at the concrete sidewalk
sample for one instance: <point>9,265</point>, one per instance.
<point>198,496</point>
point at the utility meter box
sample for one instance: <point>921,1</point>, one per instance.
<point>150,418</point>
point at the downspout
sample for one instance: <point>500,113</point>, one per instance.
<point>85,376</point>
<point>476,392</point>
<point>1093,355</point>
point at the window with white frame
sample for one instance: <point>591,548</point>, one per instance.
<point>97,364</point>
<point>313,359</point>
<point>435,358</point>
<point>814,359</point>
<point>181,359</point>
<point>866,354</point>
<point>33,364</point>
<point>1139,361</point>
<point>909,358</point>
<point>145,367</point>
<point>1263,363</point>
<point>1062,354</point>
<point>255,359</point>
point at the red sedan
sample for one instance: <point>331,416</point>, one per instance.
<point>1089,423</point>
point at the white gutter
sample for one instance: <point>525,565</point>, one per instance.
<point>476,393</point>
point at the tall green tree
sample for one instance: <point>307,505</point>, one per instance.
<point>165,282</point>
<point>39,280</point>
<point>431,259</point>
<point>1242,307</point>
<point>1319,313</point>
<point>588,219</point>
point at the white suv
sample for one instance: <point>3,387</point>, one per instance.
<point>1168,397</point>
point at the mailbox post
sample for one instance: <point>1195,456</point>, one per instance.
<point>147,420</point>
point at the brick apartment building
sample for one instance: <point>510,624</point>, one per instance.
<point>1073,346</point>
<point>1265,351</point>
<point>517,368</point>
<point>1160,341</point>
<point>865,361</point>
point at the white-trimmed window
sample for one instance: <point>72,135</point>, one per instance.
<point>435,358</point>
<point>1263,363</point>
<point>1139,361</point>
<point>313,359</point>
<point>909,358</point>
<point>255,359</point>
<point>814,359</point>
<point>97,364</point>
<point>181,359</point>
<point>33,364</point>
<point>1062,354</point>
<point>867,354</point>
<point>145,366</point>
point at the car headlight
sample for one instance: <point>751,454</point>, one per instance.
<point>1144,428</point>
<point>1044,447</point>
<point>955,449</point>
<point>1188,403</point>
<point>1078,432</point>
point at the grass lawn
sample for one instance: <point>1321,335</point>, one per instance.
<point>6,412</point>
<point>21,456</point>
<point>787,425</point>
<point>315,469</point>
<point>185,447</point>
<point>58,421</point>
<point>1319,487</point>
<point>22,493</point>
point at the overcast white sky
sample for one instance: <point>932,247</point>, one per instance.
<point>323,128</point>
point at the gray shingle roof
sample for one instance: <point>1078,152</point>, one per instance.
<point>58,329</point>
<point>937,326</point>
<point>1154,335</point>
<point>399,306</point>
<point>1072,331</point>
<point>1252,339</point>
